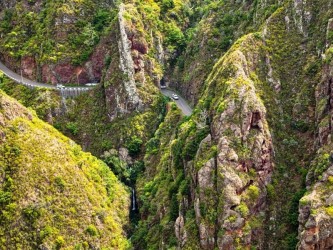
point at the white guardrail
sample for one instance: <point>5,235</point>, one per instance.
<point>64,91</point>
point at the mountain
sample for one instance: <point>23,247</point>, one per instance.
<point>250,168</point>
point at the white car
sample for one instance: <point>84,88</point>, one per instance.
<point>163,87</point>
<point>60,86</point>
<point>175,97</point>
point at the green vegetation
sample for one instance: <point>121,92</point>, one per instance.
<point>45,102</point>
<point>134,145</point>
<point>235,171</point>
<point>55,32</point>
<point>253,192</point>
<point>329,211</point>
<point>84,203</point>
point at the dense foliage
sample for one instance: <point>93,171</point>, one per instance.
<point>52,194</point>
<point>234,174</point>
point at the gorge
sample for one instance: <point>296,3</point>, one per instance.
<point>241,159</point>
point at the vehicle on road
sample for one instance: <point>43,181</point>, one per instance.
<point>60,86</point>
<point>175,97</point>
<point>163,86</point>
<point>92,84</point>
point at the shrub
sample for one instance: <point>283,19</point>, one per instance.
<point>253,192</point>
<point>174,36</point>
<point>60,241</point>
<point>135,169</point>
<point>300,125</point>
<point>60,183</point>
<point>232,218</point>
<point>107,61</point>
<point>134,145</point>
<point>47,231</point>
<point>174,208</point>
<point>303,201</point>
<point>313,68</point>
<point>243,209</point>
<point>6,22</point>
<point>5,197</point>
<point>152,146</point>
<point>92,230</point>
<point>15,151</point>
<point>166,5</point>
<point>31,213</point>
<point>329,210</point>
<point>101,19</point>
<point>330,179</point>
<point>322,162</point>
<point>118,167</point>
<point>72,128</point>
<point>192,144</point>
<point>185,187</point>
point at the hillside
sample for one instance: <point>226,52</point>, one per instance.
<point>250,168</point>
<point>53,195</point>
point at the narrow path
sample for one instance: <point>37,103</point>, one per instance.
<point>181,102</point>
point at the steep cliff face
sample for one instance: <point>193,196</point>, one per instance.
<point>53,195</point>
<point>315,210</point>
<point>129,78</point>
<point>121,50</point>
<point>214,27</point>
<point>257,111</point>
<point>244,145</point>
<point>55,42</point>
<point>220,164</point>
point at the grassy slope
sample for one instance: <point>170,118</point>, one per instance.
<point>51,192</point>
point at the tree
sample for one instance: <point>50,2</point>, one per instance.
<point>90,35</point>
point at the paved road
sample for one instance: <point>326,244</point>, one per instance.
<point>65,92</point>
<point>181,102</point>
<point>18,78</point>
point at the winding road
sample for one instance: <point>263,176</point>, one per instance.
<point>65,91</point>
<point>74,91</point>
<point>181,102</point>
<point>22,80</point>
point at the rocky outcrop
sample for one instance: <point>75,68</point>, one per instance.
<point>229,189</point>
<point>180,231</point>
<point>316,206</point>
<point>126,61</point>
<point>121,90</point>
<point>28,67</point>
<point>131,73</point>
<point>302,16</point>
<point>316,214</point>
<point>245,150</point>
<point>63,72</point>
<point>205,182</point>
<point>324,95</point>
